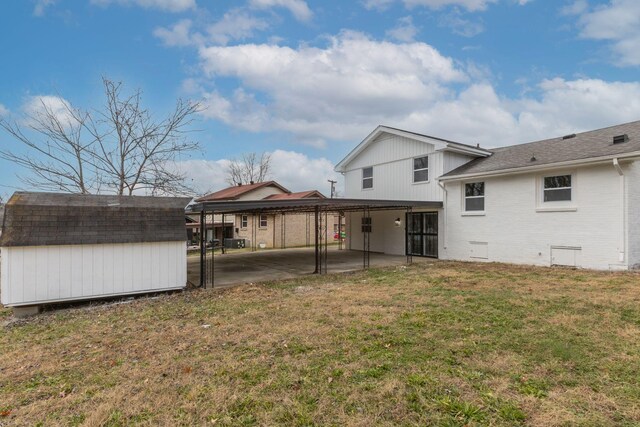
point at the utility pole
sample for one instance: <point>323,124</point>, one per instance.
<point>333,187</point>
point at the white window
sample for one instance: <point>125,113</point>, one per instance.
<point>557,188</point>
<point>421,169</point>
<point>474,196</point>
<point>244,221</point>
<point>263,221</point>
<point>367,178</point>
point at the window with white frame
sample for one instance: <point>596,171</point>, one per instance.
<point>474,196</point>
<point>557,188</point>
<point>263,221</point>
<point>367,178</point>
<point>244,221</point>
<point>421,169</point>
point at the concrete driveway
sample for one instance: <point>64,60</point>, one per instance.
<point>275,264</point>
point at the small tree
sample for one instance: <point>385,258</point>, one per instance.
<point>249,168</point>
<point>119,149</point>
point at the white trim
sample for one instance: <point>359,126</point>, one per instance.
<point>437,143</point>
<point>526,169</point>
<point>473,213</point>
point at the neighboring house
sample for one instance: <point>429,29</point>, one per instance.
<point>273,230</point>
<point>572,200</point>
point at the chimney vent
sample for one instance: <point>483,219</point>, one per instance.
<point>251,182</point>
<point>573,135</point>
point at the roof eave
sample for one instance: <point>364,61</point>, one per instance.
<point>512,171</point>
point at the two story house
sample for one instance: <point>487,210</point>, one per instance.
<point>572,200</point>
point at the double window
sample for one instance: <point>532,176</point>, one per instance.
<point>367,178</point>
<point>474,196</point>
<point>557,188</point>
<point>263,221</point>
<point>421,169</point>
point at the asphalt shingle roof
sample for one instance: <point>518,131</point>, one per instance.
<point>39,219</point>
<point>585,145</point>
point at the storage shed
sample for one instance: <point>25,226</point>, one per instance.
<point>64,247</point>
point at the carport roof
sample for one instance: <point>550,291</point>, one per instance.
<point>308,205</point>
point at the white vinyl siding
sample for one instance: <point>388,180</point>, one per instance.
<point>44,274</point>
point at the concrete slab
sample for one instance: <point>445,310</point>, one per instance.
<point>26,311</point>
<point>251,267</point>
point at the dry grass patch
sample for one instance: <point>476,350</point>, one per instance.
<point>432,344</point>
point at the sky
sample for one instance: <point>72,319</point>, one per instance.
<point>308,80</point>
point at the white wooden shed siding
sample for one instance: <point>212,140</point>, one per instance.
<point>45,274</point>
<point>392,159</point>
<point>515,232</point>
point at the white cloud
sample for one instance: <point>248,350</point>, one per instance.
<point>41,6</point>
<point>379,5</point>
<point>404,31</point>
<point>459,25</point>
<point>40,105</point>
<point>578,7</point>
<point>179,34</point>
<point>4,111</point>
<point>235,25</point>
<point>296,171</point>
<point>617,22</point>
<point>298,8</point>
<point>166,5</point>
<point>470,5</point>
<point>310,89</point>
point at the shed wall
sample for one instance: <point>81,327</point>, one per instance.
<point>45,274</point>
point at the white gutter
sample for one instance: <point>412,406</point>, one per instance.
<point>623,231</point>
<point>518,170</point>
<point>444,213</point>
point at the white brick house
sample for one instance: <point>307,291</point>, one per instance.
<point>572,200</point>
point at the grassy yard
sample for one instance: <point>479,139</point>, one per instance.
<point>433,344</point>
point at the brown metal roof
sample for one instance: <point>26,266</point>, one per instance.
<point>39,219</point>
<point>582,146</point>
<point>232,193</point>
<point>311,194</point>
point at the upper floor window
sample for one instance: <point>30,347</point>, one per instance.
<point>263,221</point>
<point>244,221</point>
<point>421,169</point>
<point>367,177</point>
<point>557,188</point>
<point>474,196</point>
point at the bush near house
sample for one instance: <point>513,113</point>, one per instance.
<point>432,344</point>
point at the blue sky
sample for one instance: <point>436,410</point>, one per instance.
<point>307,80</point>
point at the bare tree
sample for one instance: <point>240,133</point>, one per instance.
<point>249,168</point>
<point>120,149</point>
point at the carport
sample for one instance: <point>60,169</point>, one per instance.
<point>319,208</point>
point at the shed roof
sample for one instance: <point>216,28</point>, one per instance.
<point>581,146</point>
<point>40,219</point>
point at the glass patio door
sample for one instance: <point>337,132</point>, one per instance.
<point>422,234</point>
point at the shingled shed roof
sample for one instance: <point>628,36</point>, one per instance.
<point>40,219</point>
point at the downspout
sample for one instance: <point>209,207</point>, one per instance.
<point>623,232</point>
<point>444,214</point>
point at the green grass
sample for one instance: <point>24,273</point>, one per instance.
<point>450,344</point>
